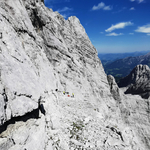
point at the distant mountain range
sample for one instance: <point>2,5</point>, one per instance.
<point>116,56</point>
<point>122,67</point>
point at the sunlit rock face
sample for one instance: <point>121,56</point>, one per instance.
<point>54,93</point>
<point>138,81</point>
<point>114,89</point>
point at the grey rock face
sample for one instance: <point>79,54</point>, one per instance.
<point>138,81</point>
<point>114,89</point>
<point>42,55</point>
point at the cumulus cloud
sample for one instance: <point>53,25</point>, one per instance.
<point>101,6</point>
<point>144,29</point>
<point>114,34</point>
<point>120,25</point>
<point>132,8</point>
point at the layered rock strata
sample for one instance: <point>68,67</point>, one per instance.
<point>54,93</point>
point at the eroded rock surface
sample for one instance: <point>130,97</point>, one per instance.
<point>114,89</point>
<point>138,81</point>
<point>42,55</point>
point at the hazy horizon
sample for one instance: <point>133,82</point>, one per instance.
<point>124,52</point>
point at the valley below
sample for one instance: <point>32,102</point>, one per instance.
<point>120,66</point>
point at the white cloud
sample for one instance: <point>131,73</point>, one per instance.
<point>120,25</point>
<point>64,9</point>
<point>148,34</point>
<point>132,8</point>
<point>101,6</point>
<point>144,29</point>
<point>139,1</point>
<point>107,8</point>
<point>114,34</point>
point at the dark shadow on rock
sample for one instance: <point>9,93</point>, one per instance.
<point>30,115</point>
<point>41,107</point>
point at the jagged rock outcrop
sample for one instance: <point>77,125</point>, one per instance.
<point>42,55</point>
<point>114,89</point>
<point>138,81</point>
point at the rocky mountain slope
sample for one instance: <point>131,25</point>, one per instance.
<point>122,67</point>
<point>138,81</point>
<point>42,55</point>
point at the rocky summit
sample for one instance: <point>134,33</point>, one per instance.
<point>138,81</point>
<point>54,93</point>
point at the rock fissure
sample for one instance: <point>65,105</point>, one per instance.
<point>24,31</point>
<point>26,95</point>
<point>17,59</point>
<point>5,96</point>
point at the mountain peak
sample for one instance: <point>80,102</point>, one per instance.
<point>137,81</point>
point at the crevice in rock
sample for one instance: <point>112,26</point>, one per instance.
<point>25,31</point>
<point>148,109</point>
<point>5,95</point>
<point>41,107</point>
<point>5,98</point>
<point>29,96</point>
<point>117,132</point>
<point>17,59</point>
<point>6,18</point>
<point>36,20</point>
<point>1,36</point>
<point>30,115</point>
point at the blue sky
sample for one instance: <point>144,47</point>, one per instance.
<point>112,25</point>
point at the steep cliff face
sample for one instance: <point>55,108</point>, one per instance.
<point>42,55</point>
<point>137,81</point>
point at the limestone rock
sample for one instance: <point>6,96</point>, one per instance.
<point>138,81</point>
<point>44,61</point>
<point>114,89</point>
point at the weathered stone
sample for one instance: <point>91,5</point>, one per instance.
<point>42,55</point>
<point>114,89</point>
<point>138,81</point>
